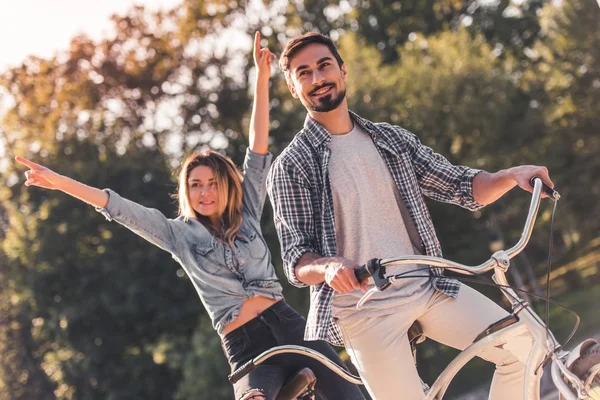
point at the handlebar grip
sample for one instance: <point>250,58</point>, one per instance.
<point>241,372</point>
<point>553,194</point>
<point>363,272</point>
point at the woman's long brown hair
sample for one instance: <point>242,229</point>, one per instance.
<point>229,193</point>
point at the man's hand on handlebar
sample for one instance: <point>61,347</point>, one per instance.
<point>489,187</point>
<point>523,175</point>
<point>339,274</point>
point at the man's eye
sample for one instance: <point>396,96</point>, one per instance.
<point>302,73</point>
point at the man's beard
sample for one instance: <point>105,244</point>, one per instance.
<point>327,103</point>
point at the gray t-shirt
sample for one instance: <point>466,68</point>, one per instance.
<point>369,224</point>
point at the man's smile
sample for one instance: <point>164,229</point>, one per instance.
<point>322,90</point>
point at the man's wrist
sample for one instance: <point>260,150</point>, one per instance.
<point>506,176</point>
<point>311,268</point>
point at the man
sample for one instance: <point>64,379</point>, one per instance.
<point>347,190</point>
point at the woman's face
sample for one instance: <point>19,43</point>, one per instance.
<point>203,194</point>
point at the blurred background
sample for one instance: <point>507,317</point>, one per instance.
<point>90,311</point>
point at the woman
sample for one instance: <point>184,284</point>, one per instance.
<point>218,241</point>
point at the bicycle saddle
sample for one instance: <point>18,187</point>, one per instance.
<point>297,384</point>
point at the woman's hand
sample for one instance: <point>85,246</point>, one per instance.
<point>263,58</point>
<point>38,175</point>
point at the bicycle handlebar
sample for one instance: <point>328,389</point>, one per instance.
<point>367,270</point>
<point>550,192</point>
<point>241,371</point>
<point>376,267</point>
<point>292,349</point>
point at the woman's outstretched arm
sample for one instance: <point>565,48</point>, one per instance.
<point>259,121</point>
<point>38,175</point>
<point>148,223</point>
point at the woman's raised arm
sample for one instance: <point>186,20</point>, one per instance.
<point>259,121</point>
<point>258,158</point>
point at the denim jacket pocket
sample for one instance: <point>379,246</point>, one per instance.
<point>206,256</point>
<point>253,243</point>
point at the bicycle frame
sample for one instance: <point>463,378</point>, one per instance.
<point>544,344</point>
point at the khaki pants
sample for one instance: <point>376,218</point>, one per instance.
<point>380,350</point>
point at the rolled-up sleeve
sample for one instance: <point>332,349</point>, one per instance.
<point>438,178</point>
<point>293,215</point>
<point>466,189</point>
<point>256,168</point>
<point>148,223</point>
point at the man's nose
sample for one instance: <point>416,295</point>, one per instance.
<point>318,77</point>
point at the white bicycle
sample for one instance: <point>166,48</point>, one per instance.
<point>576,373</point>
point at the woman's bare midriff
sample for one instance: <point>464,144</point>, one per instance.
<point>250,310</point>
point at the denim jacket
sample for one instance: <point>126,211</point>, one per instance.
<point>224,277</point>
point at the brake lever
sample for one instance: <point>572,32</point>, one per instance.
<point>366,297</point>
<point>377,271</point>
<point>550,192</point>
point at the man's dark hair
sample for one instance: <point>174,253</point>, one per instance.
<point>300,42</point>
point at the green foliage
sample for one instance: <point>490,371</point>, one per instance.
<point>508,26</point>
<point>204,367</point>
<point>568,71</point>
<point>98,302</point>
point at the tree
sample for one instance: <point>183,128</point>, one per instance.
<point>21,375</point>
<point>568,73</point>
<point>104,307</point>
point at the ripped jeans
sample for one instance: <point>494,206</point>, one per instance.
<point>280,325</point>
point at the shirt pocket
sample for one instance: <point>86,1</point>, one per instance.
<point>252,243</point>
<point>205,253</point>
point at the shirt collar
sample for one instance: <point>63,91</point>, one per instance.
<point>317,134</point>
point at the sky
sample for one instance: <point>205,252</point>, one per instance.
<point>43,27</point>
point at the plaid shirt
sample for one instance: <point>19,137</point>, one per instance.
<point>300,191</point>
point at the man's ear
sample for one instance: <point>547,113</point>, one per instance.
<point>292,89</point>
<point>344,71</point>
